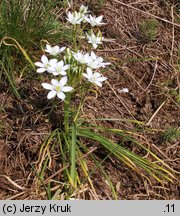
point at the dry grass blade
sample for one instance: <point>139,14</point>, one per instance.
<point>13,183</point>
<point>146,13</point>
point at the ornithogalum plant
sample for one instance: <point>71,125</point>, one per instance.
<point>75,70</point>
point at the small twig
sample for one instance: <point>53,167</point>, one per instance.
<point>116,50</point>
<point>155,69</point>
<point>147,13</point>
<point>55,188</point>
<point>13,183</point>
<point>126,71</point>
<point>172,46</point>
<point>16,195</point>
<point>156,112</point>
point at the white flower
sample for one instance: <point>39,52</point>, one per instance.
<point>75,17</point>
<point>54,51</point>
<point>45,64</point>
<point>57,88</point>
<point>96,62</point>
<point>95,78</point>
<point>95,21</point>
<point>123,90</point>
<point>81,57</point>
<point>94,40</point>
<point>59,69</point>
<point>83,9</point>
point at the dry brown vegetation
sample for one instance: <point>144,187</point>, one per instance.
<point>148,67</point>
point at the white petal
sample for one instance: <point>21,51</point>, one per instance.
<point>93,55</point>
<point>97,74</point>
<point>70,15</point>
<point>98,83</point>
<point>86,55</point>
<point>48,48</point>
<point>88,36</point>
<point>39,64</point>
<point>47,86</point>
<point>99,19</point>
<point>60,64</point>
<point>62,49</point>
<point>55,73</point>
<point>123,90</point>
<point>66,67</point>
<point>87,19</point>
<point>89,72</point>
<point>63,81</point>
<point>54,82</point>
<point>53,61</point>
<point>56,48</point>
<point>61,95</point>
<point>41,70</point>
<point>44,59</point>
<point>63,73</point>
<point>95,45</point>
<point>67,89</point>
<point>104,64</point>
<point>85,75</point>
<point>101,79</point>
<point>51,69</point>
<point>51,94</point>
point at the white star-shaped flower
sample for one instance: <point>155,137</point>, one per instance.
<point>81,57</point>
<point>95,21</point>
<point>94,40</point>
<point>96,62</point>
<point>54,51</point>
<point>75,17</point>
<point>83,9</point>
<point>59,69</point>
<point>57,88</point>
<point>95,78</point>
<point>45,64</point>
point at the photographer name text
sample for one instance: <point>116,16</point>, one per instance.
<point>41,209</point>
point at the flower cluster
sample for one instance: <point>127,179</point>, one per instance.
<point>77,17</point>
<point>83,16</point>
<point>85,64</point>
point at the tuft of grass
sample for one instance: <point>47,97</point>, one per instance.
<point>170,135</point>
<point>23,25</point>
<point>148,30</point>
<point>75,157</point>
<point>27,21</point>
<point>132,160</point>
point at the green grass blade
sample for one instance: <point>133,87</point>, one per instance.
<point>73,155</point>
<point>124,154</point>
<point>11,81</point>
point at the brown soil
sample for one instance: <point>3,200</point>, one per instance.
<point>149,69</point>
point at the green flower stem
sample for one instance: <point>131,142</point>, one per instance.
<point>75,38</point>
<point>81,31</point>
<point>67,112</point>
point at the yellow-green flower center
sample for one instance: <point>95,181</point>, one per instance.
<point>58,69</point>
<point>47,65</point>
<point>94,78</point>
<point>58,88</point>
